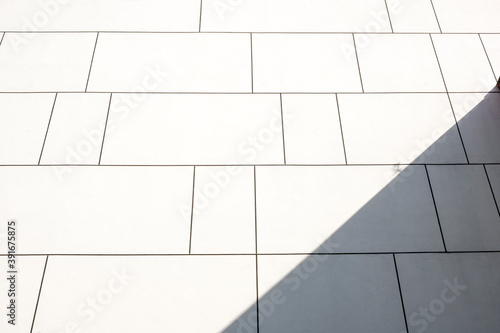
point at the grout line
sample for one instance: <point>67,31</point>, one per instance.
<point>192,211</point>
<point>201,9</point>
<point>225,165</point>
<point>244,32</point>
<point>491,188</point>
<point>47,131</point>
<point>251,59</point>
<point>283,130</point>
<point>341,130</point>
<point>488,57</point>
<point>91,62</point>
<point>439,64</point>
<point>105,127</point>
<point>435,207</point>
<point>449,99</point>
<point>255,204</point>
<point>39,293</point>
<point>250,93</point>
<point>458,129</point>
<point>389,15</point>
<point>243,254</point>
<point>357,60</point>
<point>256,248</point>
<point>400,292</point>
<point>435,15</point>
<point>1,39</point>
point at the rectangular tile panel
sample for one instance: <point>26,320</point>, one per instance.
<point>464,63</point>
<point>76,129</point>
<point>23,123</point>
<point>304,63</point>
<point>398,63</point>
<point>194,129</point>
<point>400,128</point>
<point>98,209</point>
<point>342,293</point>
<point>466,207</point>
<point>172,63</point>
<point>450,292</point>
<point>111,15</point>
<point>176,294</point>
<point>345,210</point>
<point>45,61</point>
<point>295,16</point>
<point>468,15</point>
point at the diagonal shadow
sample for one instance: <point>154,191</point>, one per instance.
<point>329,294</point>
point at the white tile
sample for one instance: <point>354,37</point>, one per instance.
<point>412,16</point>
<point>76,129</point>
<point>146,294</point>
<point>479,120</point>
<point>345,210</point>
<point>492,45</point>
<point>112,15</point>
<point>194,130</point>
<point>99,209</point>
<point>400,128</point>
<point>45,61</point>
<point>29,275</point>
<point>398,63</point>
<point>468,15</point>
<point>464,63</point>
<point>312,129</point>
<point>304,63</point>
<point>466,208</point>
<point>224,210</point>
<point>450,292</point>
<point>341,293</point>
<point>172,62</point>
<point>23,123</point>
<point>295,16</point>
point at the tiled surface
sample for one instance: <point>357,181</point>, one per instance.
<point>466,208</point>
<point>23,124</point>
<point>306,301</point>
<point>172,62</point>
<point>312,129</point>
<point>194,129</point>
<point>164,286</point>
<point>464,63</point>
<point>478,117</point>
<point>166,110</point>
<point>294,16</point>
<point>412,16</point>
<point>224,210</point>
<point>345,210</point>
<point>112,15</point>
<point>468,15</point>
<point>398,63</point>
<point>400,128</point>
<point>304,63</point>
<point>98,210</point>
<point>80,142</point>
<point>45,62</point>
<point>450,292</point>
<point>29,281</point>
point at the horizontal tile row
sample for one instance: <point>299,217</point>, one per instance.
<point>347,293</point>
<point>248,129</point>
<point>252,16</point>
<point>239,62</point>
<point>158,210</point>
